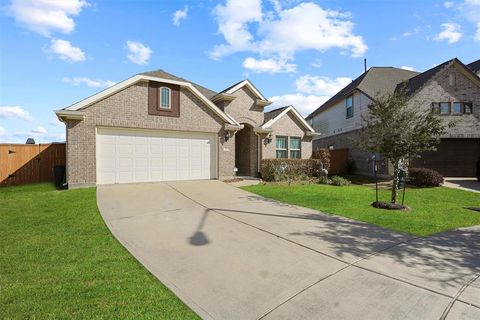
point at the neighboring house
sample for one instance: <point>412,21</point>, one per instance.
<point>155,126</point>
<point>451,89</point>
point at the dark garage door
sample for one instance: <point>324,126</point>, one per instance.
<point>453,158</point>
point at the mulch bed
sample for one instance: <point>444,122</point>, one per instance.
<point>390,206</point>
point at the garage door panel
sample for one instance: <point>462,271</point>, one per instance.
<point>139,156</point>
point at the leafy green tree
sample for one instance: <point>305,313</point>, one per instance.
<point>399,130</point>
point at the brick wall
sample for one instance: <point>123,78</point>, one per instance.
<point>290,127</point>
<point>129,109</point>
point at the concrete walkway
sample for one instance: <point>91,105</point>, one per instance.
<point>230,254</point>
<point>467,184</point>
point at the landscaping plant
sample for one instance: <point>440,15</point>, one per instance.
<point>423,177</point>
<point>399,129</point>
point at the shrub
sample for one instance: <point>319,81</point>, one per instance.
<point>324,180</point>
<point>339,181</point>
<point>296,169</point>
<point>423,177</point>
<point>324,156</point>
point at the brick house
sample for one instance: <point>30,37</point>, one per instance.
<point>155,126</point>
<point>451,89</point>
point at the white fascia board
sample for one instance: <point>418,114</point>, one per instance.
<point>69,114</point>
<point>297,115</point>
<point>121,85</point>
<point>250,86</point>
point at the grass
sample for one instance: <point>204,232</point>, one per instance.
<point>59,260</point>
<point>433,209</point>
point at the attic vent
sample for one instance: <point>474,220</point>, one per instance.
<point>452,79</point>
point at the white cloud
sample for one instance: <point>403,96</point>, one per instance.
<point>39,130</point>
<point>305,104</point>
<point>469,10</point>
<point>284,32</point>
<point>15,112</point>
<point>88,82</point>
<point>407,68</point>
<point>3,132</point>
<point>55,122</point>
<point>317,63</point>
<point>321,85</point>
<point>233,19</point>
<point>179,15</point>
<point>66,51</point>
<point>46,16</point>
<point>138,53</point>
<point>451,33</point>
<point>268,65</point>
<point>448,4</point>
<point>477,34</point>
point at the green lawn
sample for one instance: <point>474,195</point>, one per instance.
<point>59,260</point>
<point>433,209</point>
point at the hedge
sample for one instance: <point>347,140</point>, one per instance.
<point>295,169</point>
<point>423,177</point>
<point>324,156</point>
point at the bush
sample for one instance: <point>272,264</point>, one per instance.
<point>296,169</point>
<point>423,177</point>
<point>324,156</point>
<point>324,180</point>
<point>339,181</point>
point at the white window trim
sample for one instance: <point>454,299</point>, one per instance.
<point>281,149</point>
<point>346,107</point>
<point>291,149</point>
<point>160,106</point>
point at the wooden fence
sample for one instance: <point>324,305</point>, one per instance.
<point>28,163</point>
<point>338,161</point>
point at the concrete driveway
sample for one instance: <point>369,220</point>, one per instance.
<point>230,254</point>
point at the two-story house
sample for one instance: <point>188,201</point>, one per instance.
<point>451,90</point>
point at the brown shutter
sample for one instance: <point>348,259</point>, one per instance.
<point>152,96</point>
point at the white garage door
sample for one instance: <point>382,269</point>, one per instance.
<point>125,156</point>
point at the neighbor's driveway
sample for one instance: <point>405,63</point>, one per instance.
<point>230,254</point>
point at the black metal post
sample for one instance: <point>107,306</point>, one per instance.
<point>403,195</point>
<point>376,179</point>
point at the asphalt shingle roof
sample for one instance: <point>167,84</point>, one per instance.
<point>474,66</point>
<point>375,80</point>
<point>273,113</point>
<point>163,74</point>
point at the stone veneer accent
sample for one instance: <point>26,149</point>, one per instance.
<point>129,109</point>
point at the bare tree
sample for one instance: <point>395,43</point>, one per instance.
<point>399,131</point>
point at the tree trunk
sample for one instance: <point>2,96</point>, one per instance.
<point>396,171</point>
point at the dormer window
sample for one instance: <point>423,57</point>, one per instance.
<point>165,98</point>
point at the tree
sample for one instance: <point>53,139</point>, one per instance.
<point>400,131</point>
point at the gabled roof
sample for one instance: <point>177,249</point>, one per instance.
<point>375,80</point>
<point>242,83</point>
<point>273,113</point>
<point>474,66</point>
<point>75,110</point>
<point>165,75</point>
<point>417,82</point>
<point>279,113</point>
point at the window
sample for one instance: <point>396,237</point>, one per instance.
<point>457,108</point>
<point>467,107</point>
<point>281,147</point>
<point>349,104</point>
<point>165,98</point>
<point>435,108</point>
<point>444,107</point>
<point>295,148</point>
<point>310,121</point>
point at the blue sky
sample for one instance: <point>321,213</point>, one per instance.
<point>56,52</point>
